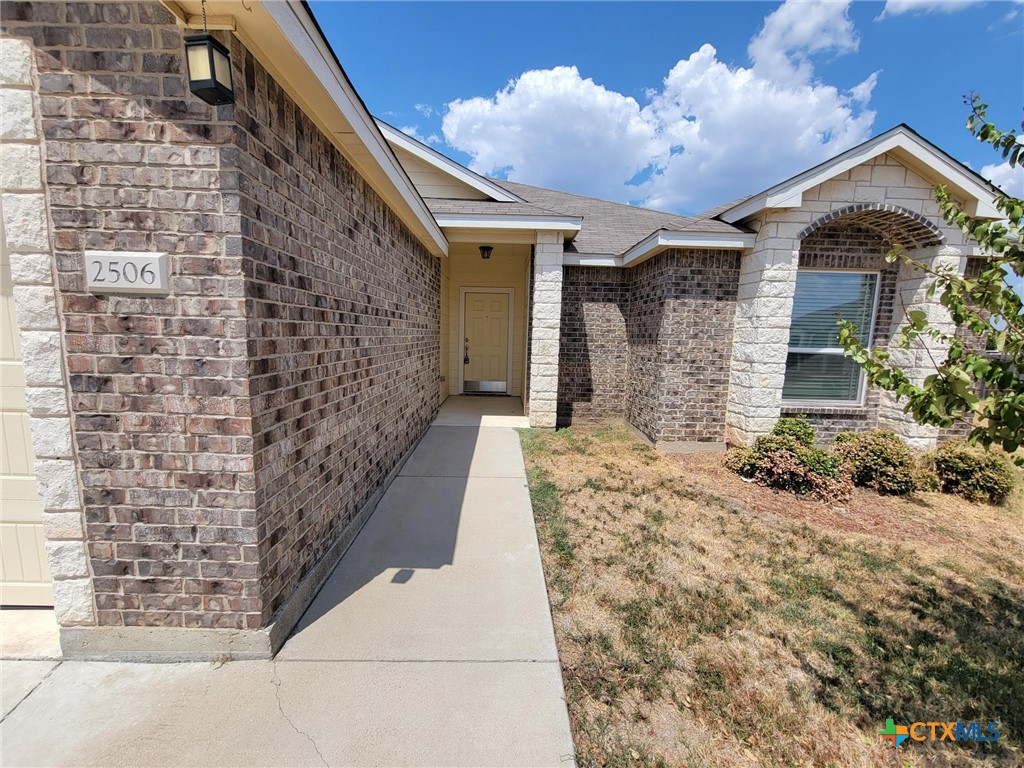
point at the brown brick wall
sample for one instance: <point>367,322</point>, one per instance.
<point>847,246</point>
<point>593,349</point>
<point>344,323</point>
<point>159,385</point>
<point>227,433</point>
<point>651,343</point>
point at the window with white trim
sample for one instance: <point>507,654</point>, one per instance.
<point>816,371</point>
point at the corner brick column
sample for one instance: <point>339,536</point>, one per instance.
<point>925,354</point>
<point>763,309</point>
<point>544,339</point>
<point>26,234</point>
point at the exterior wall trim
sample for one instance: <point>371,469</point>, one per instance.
<point>492,221</point>
<point>664,239</point>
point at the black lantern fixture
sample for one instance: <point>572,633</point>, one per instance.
<point>209,67</point>
<point>485,251</point>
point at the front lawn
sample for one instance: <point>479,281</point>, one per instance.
<point>702,620</point>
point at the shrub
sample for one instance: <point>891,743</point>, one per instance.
<point>878,459</point>
<point>797,428</point>
<point>974,473</point>
<point>787,463</point>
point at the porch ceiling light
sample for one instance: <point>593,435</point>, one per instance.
<point>209,69</point>
<point>485,251</point>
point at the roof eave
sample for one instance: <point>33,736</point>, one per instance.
<point>288,42</point>
<point>663,240</point>
<point>920,154</point>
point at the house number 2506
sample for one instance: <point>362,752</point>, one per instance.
<point>126,273</point>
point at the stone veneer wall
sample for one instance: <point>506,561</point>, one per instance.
<point>215,428</point>
<point>343,312</point>
<point>844,245</point>
<point>593,353</point>
<point>651,344</point>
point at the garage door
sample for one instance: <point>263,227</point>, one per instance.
<point>24,575</point>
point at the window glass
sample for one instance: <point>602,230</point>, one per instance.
<point>815,367</point>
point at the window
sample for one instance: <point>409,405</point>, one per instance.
<point>815,367</point>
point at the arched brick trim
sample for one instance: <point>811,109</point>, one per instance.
<point>897,224</point>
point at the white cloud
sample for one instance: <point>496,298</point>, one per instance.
<point>413,131</point>
<point>554,128</point>
<point>710,133</point>
<point>424,109</point>
<point>1010,180</point>
<point>898,7</point>
<point>797,29</point>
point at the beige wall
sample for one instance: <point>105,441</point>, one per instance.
<point>432,182</point>
<point>507,268</point>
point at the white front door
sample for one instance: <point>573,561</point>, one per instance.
<point>486,344</point>
<point>24,574</point>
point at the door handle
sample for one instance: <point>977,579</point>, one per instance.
<point>465,359</point>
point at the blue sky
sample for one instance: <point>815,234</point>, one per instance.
<point>678,105</point>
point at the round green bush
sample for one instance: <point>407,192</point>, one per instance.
<point>974,473</point>
<point>878,459</point>
<point>797,428</point>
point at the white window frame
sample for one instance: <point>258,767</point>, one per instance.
<point>838,351</point>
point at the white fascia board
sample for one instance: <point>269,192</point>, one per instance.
<point>789,194</point>
<point>296,26</point>
<point>591,260</point>
<point>447,165</point>
<point>492,221</point>
<point>660,241</point>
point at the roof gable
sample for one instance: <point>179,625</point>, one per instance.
<point>904,144</point>
<point>438,176</point>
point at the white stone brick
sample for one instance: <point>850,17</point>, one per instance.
<point>67,559</point>
<point>836,190</point>
<point>58,526</point>
<point>46,401</point>
<point>36,308</point>
<point>25,224</point>
<point>20,168</point>
<point>58,485</point>
<point>861,173</point>
<point>17,120</point>
<point>51,438</point>
<point>888,176</point>
<point>73,602</point>
<point>31,269</point>
<point>41,356</point>
<point>868,194</point>
<point>15,61</point>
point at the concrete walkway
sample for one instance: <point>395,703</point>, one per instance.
<point>431,644</point>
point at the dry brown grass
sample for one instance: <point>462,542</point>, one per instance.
<point>702,620</point>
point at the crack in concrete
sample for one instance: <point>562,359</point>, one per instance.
<point>276,681</point>
<point>34,687</point>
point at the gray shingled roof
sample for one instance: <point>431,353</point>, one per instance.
<point>441,205</point>
<point>612,228</point>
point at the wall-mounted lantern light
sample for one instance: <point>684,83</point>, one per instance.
<point>209,69</point>
<point>485,251</point>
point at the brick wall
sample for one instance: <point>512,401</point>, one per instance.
<point>228,433</point>
<point>651,344</point>
<point>343,315</point>
<point>696,343</point>
<point>593,353</point>
<point>844,245</point>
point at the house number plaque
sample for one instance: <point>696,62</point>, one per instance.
<point>126,272</point>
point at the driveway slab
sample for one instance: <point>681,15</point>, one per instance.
<point>18,679</point>
<point>262,713</point>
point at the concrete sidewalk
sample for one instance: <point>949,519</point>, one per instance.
<point>431,644</point>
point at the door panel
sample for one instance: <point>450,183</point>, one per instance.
<point>486,342</point>
<point>24,575</point>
